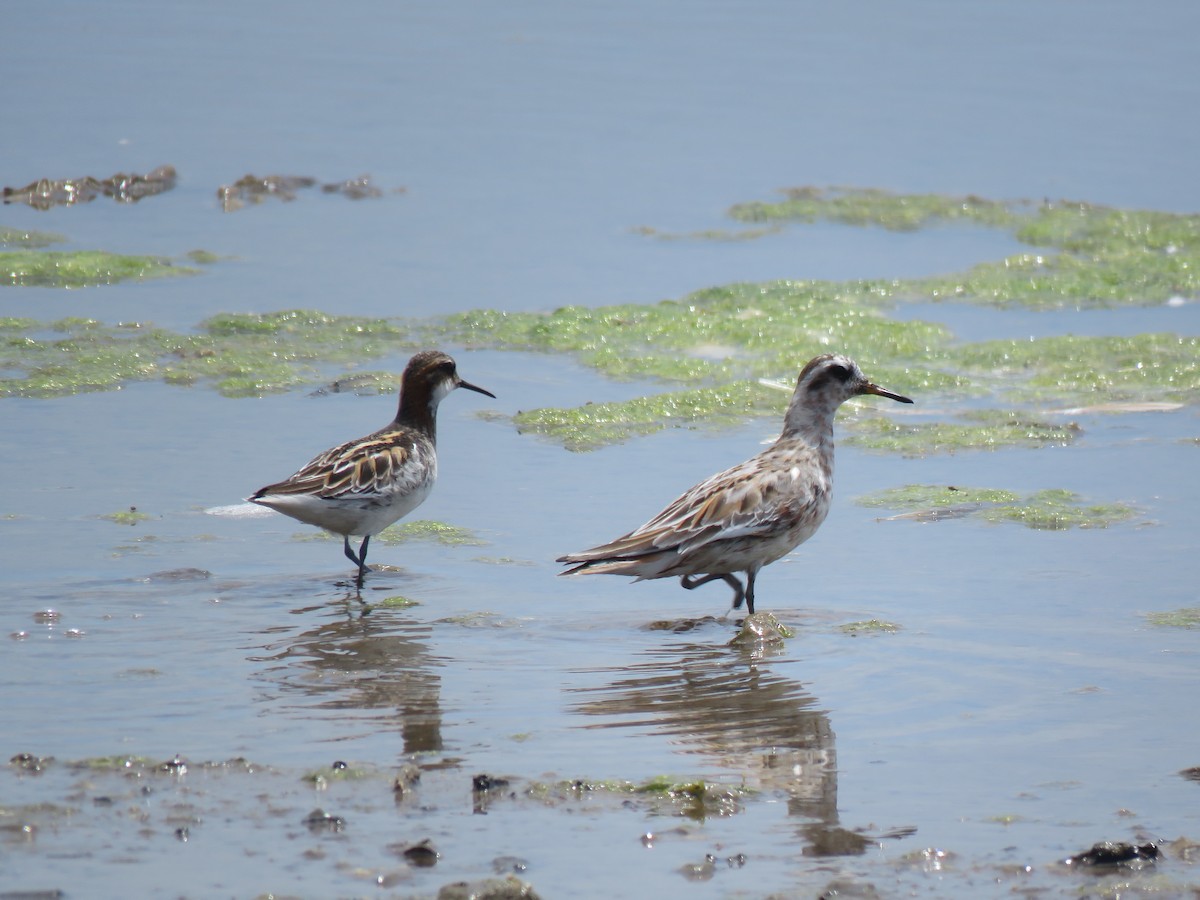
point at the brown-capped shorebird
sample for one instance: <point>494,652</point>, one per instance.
<point>363,486</point>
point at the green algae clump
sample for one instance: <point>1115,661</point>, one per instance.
<point>403,532</point>
<point>396,602</point>
<point>1047,510</point>
<point>983,430</point>
<point>81,268</point>
<point>696,799</point>
<point>597,424</point>
<point>1058,510</point>
<point>736,331</point>
<point>1072,369</point>
<point>1187,617</point>
<point>16,237</point>
<point>426,530</point>
<point>1097,256</point>
<point>922,496</point>
<point>131,516</point>
<point>868,626</point>
<point>873,206</point>
<point>719,350</point>
<point>240,355</point>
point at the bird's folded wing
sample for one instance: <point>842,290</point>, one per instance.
<point>369,466</point>
<point>745,501</point>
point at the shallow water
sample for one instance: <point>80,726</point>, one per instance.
<point>1023,710</point>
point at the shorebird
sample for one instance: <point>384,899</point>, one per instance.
<point>363,486</point>
<point>750,515</point>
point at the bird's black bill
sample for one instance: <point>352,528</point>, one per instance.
<point>479,390</point>
<point>880,392</point>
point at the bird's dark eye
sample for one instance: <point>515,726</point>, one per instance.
<point>840,372</point>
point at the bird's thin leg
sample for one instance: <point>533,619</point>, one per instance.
<point>359,559</point>
<point>362,560</point>
<point>691,583</point>
<point>750,576</point>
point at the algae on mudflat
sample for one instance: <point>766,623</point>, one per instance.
<point>873,206</point>
<point>1053,509</point>
<point>17,237</point>
<point>984,429</point>
<point>695,799</point>
<point>241,355</point>
<point>707,234</point>
<point>428,530</point>
<point>1187,617</point>
<point>1070,368</point>
<point>596,424</point>
<point>403,532</point>
<point>868,626</point>
<point>719,349</point>
<point>131,516</point>
<point>734,331</point>
<point>1102,256</point>
<point>1058,509</point>
<point>81,268</point>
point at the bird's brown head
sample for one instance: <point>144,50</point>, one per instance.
<point>429,376</point>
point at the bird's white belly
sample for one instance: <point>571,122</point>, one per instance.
<point>353,515</point>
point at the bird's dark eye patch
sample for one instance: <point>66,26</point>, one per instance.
<point>838,373</point>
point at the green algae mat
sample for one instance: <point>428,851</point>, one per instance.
<point>718,356</point>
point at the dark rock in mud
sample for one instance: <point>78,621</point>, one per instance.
<point>701,871</point>
<point>27,762</point>
<point>827,840</point>
<point>486,789</point>
<point>176,766</point>
<point>252,189</point>
<point>319,820</point>
<point>361,384</point>
<point>180,575</point>
<point>502,865</point>
<point>421,854</point>
<point>650,838</point>
<point>841,889</point>
<point>483,783</point>
<point>510,888</point>
<point>46,193</point>
<point>359,188</point>
<point>1115,853</point>
<point>407,779</point>
<point>682,626</point>
<point>760,629</point>
<point>18,832</point>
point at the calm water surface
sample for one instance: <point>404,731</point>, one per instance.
<point>1025,709</point>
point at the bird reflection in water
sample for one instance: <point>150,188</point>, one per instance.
<point>377,665</point>
<point>723,702</point>
<point>731,704</point>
